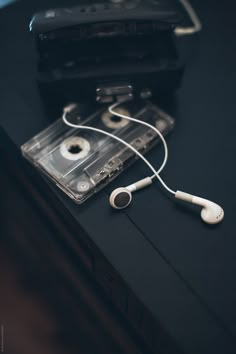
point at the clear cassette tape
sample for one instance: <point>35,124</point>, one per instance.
<point>82,162</point>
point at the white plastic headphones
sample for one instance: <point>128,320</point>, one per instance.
<point>120,198</point>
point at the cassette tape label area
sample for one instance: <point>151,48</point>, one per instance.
<point>83,162</point>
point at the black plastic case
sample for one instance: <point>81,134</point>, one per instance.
<point>80,49</point>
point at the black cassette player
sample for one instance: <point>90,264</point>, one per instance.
<point>97,49</point>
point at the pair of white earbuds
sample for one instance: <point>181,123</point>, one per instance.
<point>211,212</point>
<point>120,198</point>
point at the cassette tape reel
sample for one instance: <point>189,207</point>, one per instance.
<point>115,122</point>
<point>82,162</point>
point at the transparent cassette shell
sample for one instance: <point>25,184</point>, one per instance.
<point>82,162</point>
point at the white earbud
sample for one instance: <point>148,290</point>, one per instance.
<point>211,213</point>
<point>120,198</point>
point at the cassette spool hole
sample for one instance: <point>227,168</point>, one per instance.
<point>115,119</point>
<point>74,149</point>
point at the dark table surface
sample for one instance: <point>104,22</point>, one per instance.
<point>192,266</point>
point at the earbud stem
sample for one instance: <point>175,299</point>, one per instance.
<point>184,196</point>
<point>140,184</point>
<point>200,201</point>
<point>191,198</point>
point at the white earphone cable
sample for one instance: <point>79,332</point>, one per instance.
<point>111,110</point>
<point>85,127</point>
<point>197,26</point>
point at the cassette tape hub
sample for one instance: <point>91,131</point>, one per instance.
<point>82,162</point>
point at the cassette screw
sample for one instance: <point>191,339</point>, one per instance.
<point>83,186</point>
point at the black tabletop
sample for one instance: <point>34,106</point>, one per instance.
<point>183,269</point>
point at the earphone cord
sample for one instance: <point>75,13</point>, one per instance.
<point>85,127</point>
<point>156,173</point>
<point>115,113</point>
<point>197,26</point>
